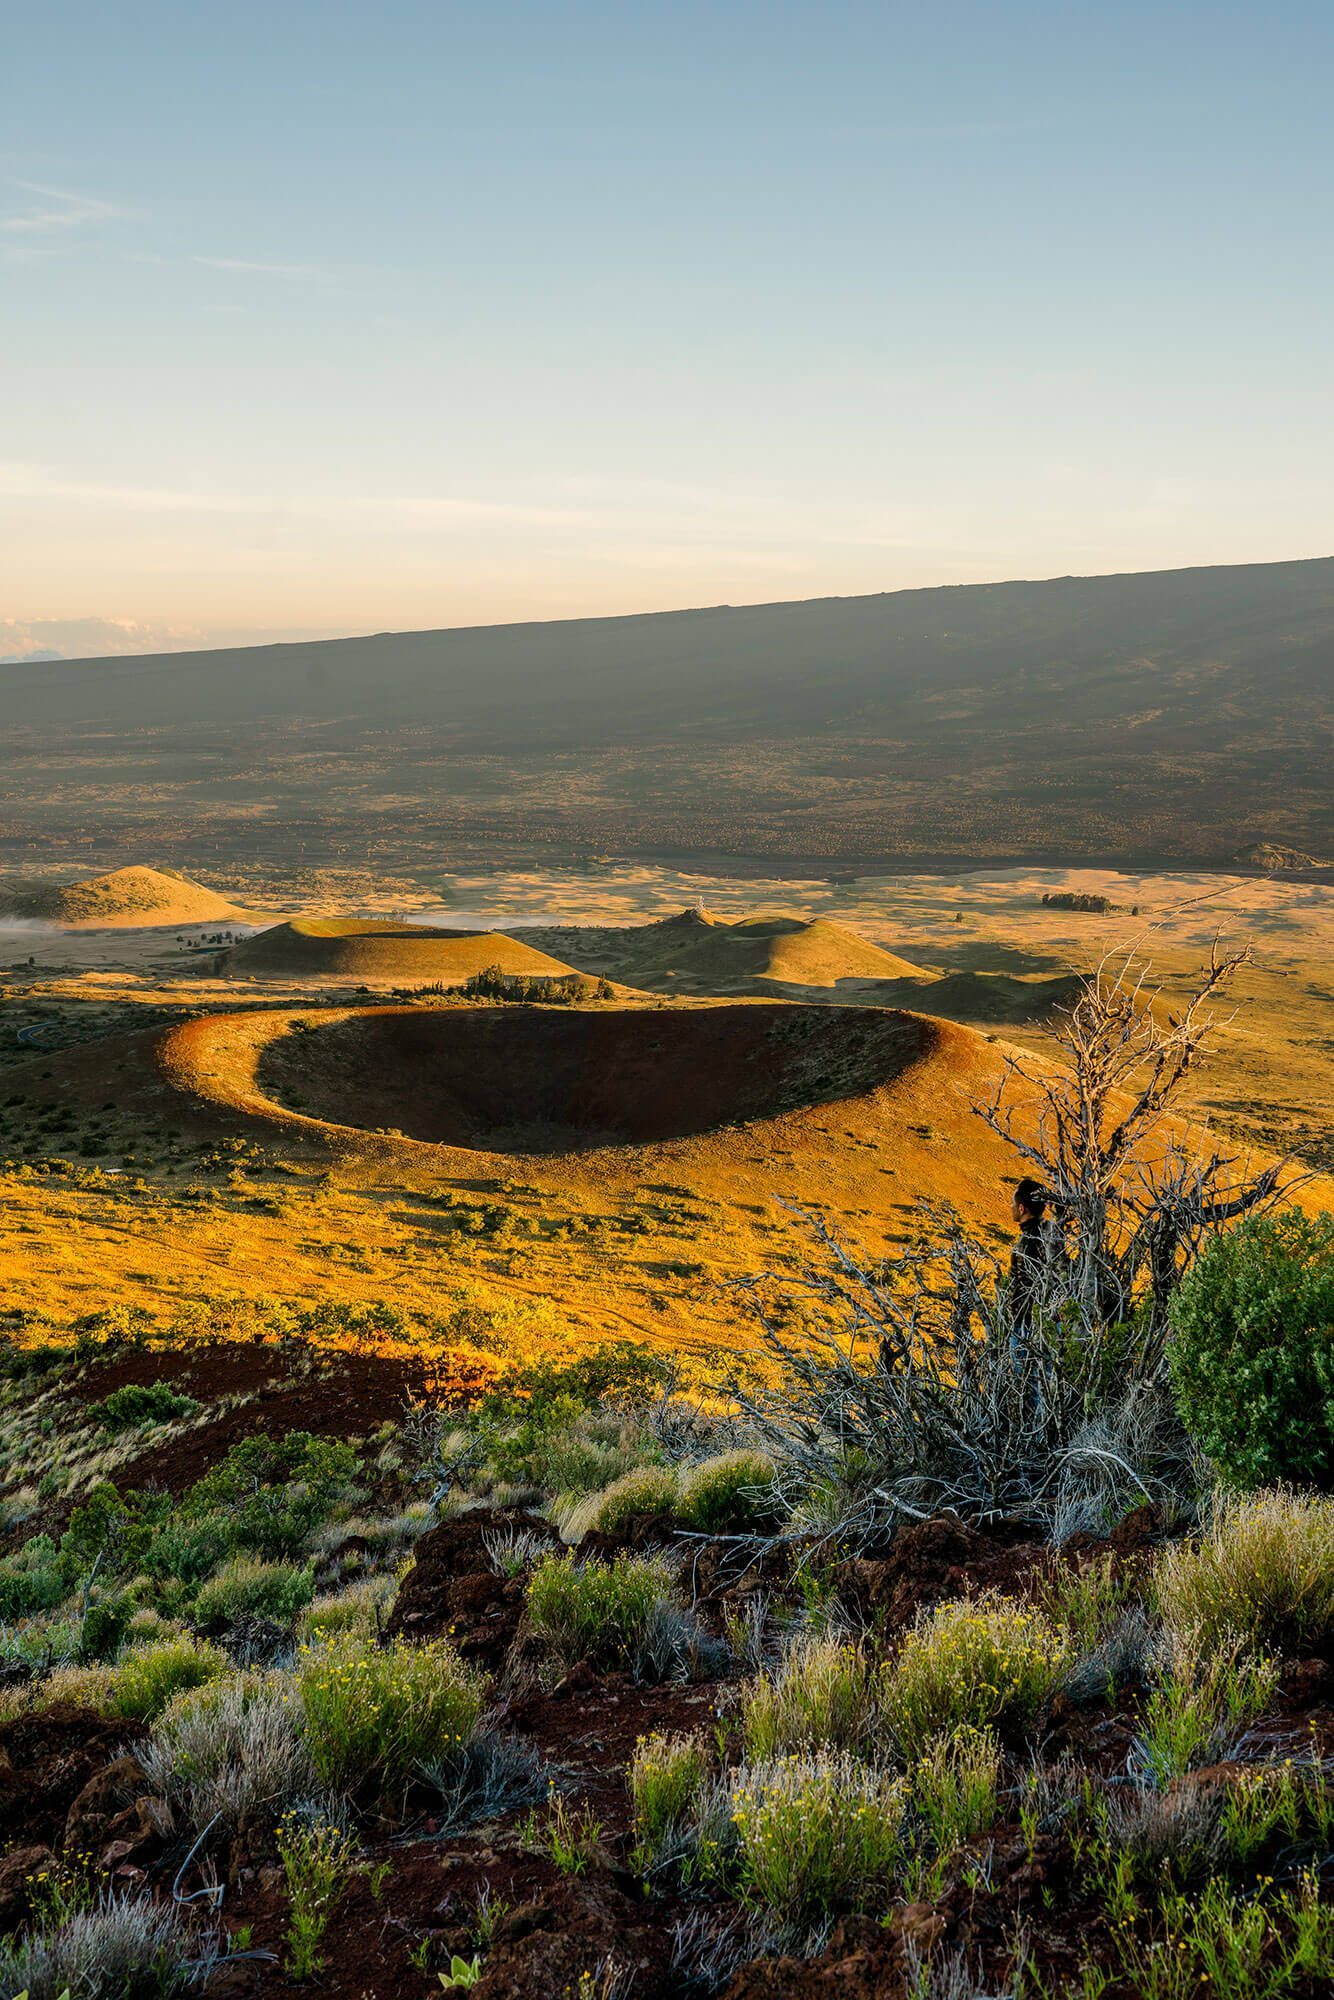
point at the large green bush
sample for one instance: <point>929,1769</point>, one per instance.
<point>142,1403</point>
<point>1252,1350</point>
<point>276,1490</point>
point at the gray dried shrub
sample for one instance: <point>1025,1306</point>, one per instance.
<point>1120,1658</point>
<point>901,1394</point>
<point>674,1647</point>
<point>1174,1834</point>
<point>123,1945</point>
<point>224,1752</point>
<point>708,1950</point>
<point>493,1774</point>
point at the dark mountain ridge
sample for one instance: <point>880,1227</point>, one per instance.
<point>1176,712</point>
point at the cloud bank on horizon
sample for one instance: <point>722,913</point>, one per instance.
<point>330,320</point>
<point>36,639</point>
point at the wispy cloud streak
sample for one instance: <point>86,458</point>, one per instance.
<point>38,483</point>
<point>52,210</point>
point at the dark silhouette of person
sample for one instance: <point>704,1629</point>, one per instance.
<point>1031,1257</point>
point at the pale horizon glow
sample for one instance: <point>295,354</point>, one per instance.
<point>325,319</point>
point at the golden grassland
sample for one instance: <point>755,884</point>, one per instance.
<point>153,1154</point>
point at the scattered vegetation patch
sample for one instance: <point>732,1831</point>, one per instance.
<point>955,1787</point>
<point>375,1716</point>
<point>1102,1776</point>
<point>594,1610</point>
<point>1262,1573</point>
<point>984,1663</point>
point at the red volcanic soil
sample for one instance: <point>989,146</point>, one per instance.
<point>67,1787</point>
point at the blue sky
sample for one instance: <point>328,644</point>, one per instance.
<point>332,317</point>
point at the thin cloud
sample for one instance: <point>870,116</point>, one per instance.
<point>36,482</point>
<point>55,209</point>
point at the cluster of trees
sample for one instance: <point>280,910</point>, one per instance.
<point>550,989</point>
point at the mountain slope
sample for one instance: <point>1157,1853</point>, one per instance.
<point>1174,714</point>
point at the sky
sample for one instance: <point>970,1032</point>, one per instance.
<point>325,317</point>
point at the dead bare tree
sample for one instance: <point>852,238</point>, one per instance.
<point>1134,1199</point>
<point>903,1385</point>
<point>895,1390</point>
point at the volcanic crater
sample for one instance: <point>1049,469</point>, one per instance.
<point>548,1080</point>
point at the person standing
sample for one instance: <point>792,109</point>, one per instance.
<point>1036,1250</point>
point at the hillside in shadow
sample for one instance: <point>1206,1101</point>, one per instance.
<point>1176,715</point>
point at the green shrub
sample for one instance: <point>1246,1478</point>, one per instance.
<point>248,1588</point>
<point>358,1608</point>
<point>984,1663</point>
<point>729,1493</point>
<point>546,1425</point>
<point>818,1834</point>
<point>572,1836</point>
<point>374,1716</point>
<point>104,1625</point>
<point>1282,1804</point>
<point>1087,1600</point>
<point>274,1492</point>
<point>955,1787</point>
<point>596,1611</point>
<point>181,1553</point>
<point>32,1580</point>
<point>646,1489</point>
<point>142,1403</point>
<point>666,1774</point>
<point>581,1457</point>
<point>78,1686</point>
<point>1229,1946</point>
<point>147,1679</point>
<point>824,1696</point>
<point>1197,1710</point>
<point>317,1859</point>
<point>1262,1573</point>
<point>1252,1350</point>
